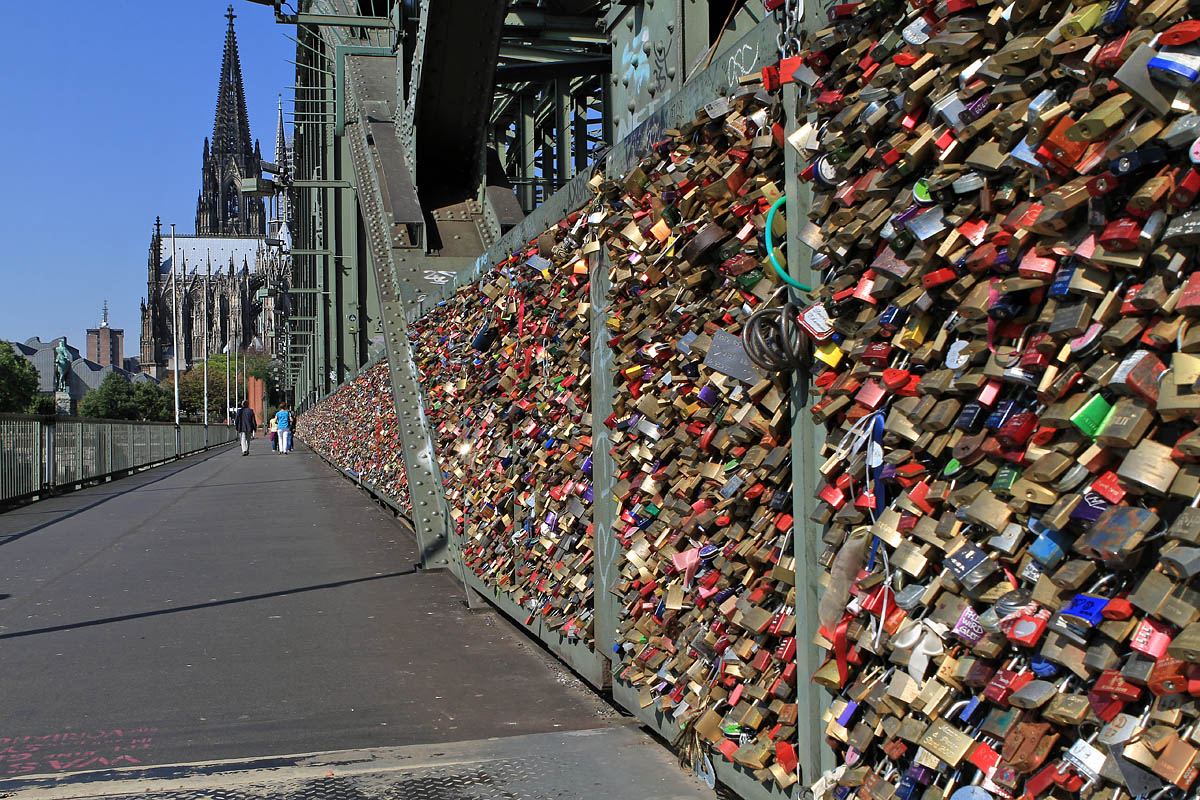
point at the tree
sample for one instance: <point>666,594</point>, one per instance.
<point>152,401</point>
<point>18,381</point>
<point>113,399</point>
<point>191,391</point>
<point>42,405</point>
<point>191,384</point>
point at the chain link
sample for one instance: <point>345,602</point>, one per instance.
<point>788,41</point>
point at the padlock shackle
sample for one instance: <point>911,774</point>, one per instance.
<point>775,265</point>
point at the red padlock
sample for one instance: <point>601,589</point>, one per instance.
<point>1102,184</point>
<point>1186,189</point>
<point>1028,628</point>
<point>939,277</point>
<point>770,79</point>
<point>1151,638</point>
<point>1189,298</point>
<point>1112,684</point>
<point>1033,265</point>
<point>1120,235</point>
<point>1128,309</point>
<point>1017,430</point>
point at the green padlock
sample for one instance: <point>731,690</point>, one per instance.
<point>1092,415</point>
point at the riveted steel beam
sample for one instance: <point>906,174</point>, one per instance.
<point>390,211</point>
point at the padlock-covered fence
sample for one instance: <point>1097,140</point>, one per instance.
<point>40,455</point>
<point>697,500</point>
<point>1003,212</point>
<point>354,429</point>
<point>506,369</point>
<point>1000,351</point>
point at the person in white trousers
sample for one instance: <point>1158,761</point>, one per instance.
<point>246,424</point>
<point>284,423</point>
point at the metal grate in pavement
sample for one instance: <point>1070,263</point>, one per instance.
<point>510,779</point>
<point>616,763</point>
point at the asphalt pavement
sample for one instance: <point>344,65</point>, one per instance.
<point>226,607</point>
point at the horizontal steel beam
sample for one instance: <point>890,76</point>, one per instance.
<point>317,184</point>
<point>525,53</point>
<point>335,20</point>
<point>518,73</point>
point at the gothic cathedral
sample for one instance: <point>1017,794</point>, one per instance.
<point>228,278</point>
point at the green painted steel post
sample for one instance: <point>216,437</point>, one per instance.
<point>605,563</point>
<point>815,756</point>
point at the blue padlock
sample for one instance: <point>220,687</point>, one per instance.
<point>1114,18</point>
<point>968,711</point>
<point>908,788</point>
<point>1004,409</point>
<point>1086,608</point>
<point>1060,286</point>
<point>1050,548</point>
<point>1042,667</point>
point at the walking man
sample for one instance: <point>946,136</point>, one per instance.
<point>245,425</point>
<point>284,427</point>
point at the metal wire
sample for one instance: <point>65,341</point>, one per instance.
<point>774,339</point>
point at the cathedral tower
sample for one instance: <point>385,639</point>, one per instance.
<point>231,155</point>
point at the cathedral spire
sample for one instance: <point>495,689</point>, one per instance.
<point>231,126</point>
<point>283,158</point>
<point>232,156</point>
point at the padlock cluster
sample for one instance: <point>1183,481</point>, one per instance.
<point>505,364</point>
<point>1004,221</point>
<point>355,429</point>
<point>701,439</point>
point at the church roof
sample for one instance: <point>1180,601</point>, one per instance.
<point>194,252</point>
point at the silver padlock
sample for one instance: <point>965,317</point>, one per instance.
<point>1181,562</point>
<point>1087,759</point>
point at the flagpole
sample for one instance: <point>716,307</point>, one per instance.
<point>207,276</point>
<point>175,337</point>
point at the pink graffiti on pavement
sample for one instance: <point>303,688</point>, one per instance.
<point>73,750</point>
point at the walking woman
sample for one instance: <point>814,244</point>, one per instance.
<point>284,426</point>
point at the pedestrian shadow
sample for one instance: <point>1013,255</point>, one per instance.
<point>91,623</point>
<point>9,538</point>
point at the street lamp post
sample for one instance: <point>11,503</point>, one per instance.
<point>175,338</point>
<point>207,278</point>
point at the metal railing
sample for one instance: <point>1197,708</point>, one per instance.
<point>39,454</point>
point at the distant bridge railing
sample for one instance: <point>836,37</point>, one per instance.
<point>44,454</point>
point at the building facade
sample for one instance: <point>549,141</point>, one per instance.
<point>224,286</point>
<point>106,345</point>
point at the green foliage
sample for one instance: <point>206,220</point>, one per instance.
<point>42,405</point>
<point>153,402</point>
<point>191,393</point>
<point>113,399</point>
<point>18,381</point>
<point>191,384</point>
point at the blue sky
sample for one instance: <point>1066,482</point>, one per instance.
<point>106,111</point>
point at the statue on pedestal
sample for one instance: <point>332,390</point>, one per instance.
<point>62,367</point>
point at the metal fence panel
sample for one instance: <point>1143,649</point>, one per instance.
<point>20,458</point>
<point>67,453</point>
<point>39,453</point>
<point>121,442</point>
